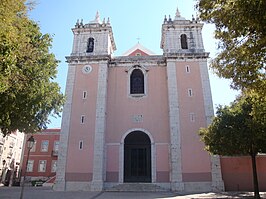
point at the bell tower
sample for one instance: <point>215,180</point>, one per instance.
<point>181,36</point>
<point>94,38</point>
<point>188,88</point>
<point>84,114</point>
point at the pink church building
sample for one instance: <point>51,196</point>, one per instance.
<point>132,120</point>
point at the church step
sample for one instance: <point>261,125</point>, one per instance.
<point>135,187</point>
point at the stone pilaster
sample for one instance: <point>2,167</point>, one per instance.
<point>217,181</point>
<point>100,125</point>
<point>65,130</point>
<point>206,89</point>
<point>175,148</point>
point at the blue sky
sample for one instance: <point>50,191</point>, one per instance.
<point>130,20</point>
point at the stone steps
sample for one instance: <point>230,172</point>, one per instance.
<point>137,187</point>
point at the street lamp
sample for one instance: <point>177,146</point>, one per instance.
<point>30,143</point>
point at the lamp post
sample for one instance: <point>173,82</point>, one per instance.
<point>30,143</point>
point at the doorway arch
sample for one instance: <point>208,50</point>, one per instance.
<point>137,157</point>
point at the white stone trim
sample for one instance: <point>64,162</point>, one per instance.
<point>121,155</point>
<point>113,144</point>
<point>121,162</point>
<point>153,163</point>
<point>217,181</point>
<point>100,125</point>
<point>175,147</point>
<point>206,89</point>
<point>65,131</point>
<point>128,66</point>
<point>140,47</point>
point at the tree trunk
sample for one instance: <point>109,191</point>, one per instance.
<point>255,176</point>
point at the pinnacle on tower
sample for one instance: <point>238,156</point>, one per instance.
<point>178,15</point>
<point>97,18</point>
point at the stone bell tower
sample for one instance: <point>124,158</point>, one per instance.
<point>188,87</point>
<point>93,39</point>
<point>181,36</point>
<point>84,114</point>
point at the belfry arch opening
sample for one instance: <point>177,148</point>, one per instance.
<point>137,157</point>
<point>90,45</point>
<point>184,41</point>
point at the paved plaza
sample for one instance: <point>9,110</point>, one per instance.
<point>48,193</point>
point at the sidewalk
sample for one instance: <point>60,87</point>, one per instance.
<point>48,193</point>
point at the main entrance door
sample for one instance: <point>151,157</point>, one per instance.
<point>137,157</point>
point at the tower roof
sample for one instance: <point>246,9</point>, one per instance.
<point>138,48</point>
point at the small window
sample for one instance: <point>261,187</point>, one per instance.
<point>56,145</point>
<point>90,45</point>
<point>33,149</point>
<point>42,166</point>
<point>184,41</point>
<point>192,117</point>
<point>44,146</point>
<point>84,95</point>
<point>80,144</point>
<point>82,119</point>
<point>137,82</point>
<point>187,69</point>
<point>190,92</point>
<point>53,166</point>
<point>30,166</point>
<point>138,54</point>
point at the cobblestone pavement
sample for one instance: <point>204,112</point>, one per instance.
<point>48,193</point>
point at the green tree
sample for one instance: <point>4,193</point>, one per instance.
<point>28,93</point>
<point>236,130</point>
<point>240,29</point>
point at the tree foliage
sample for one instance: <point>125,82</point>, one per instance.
<point>238,129</point>
<point>240,29</point>
<point>28,93</point>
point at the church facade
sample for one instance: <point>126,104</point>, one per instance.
<point>134,118</point>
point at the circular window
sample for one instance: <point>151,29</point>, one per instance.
<point>86,69</point>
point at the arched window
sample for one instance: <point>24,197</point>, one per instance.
<point>137,82</point>
<point>184,41</point>
<point>90,45</point>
